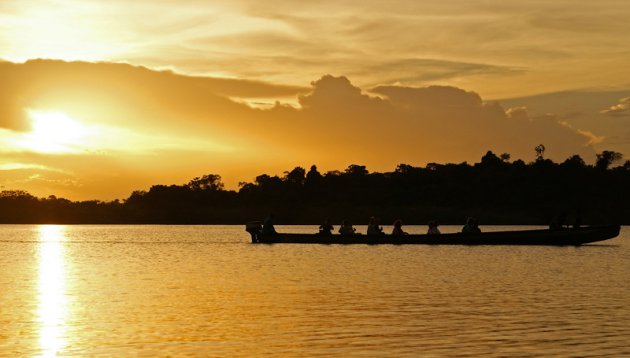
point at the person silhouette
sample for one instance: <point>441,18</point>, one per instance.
<point>398,231</point>
<point>346,228</point>
<point>433,228</point>
<point>373,227</point>
<point>268,228</point>
<point>471,227</point>
<point>326,228</point>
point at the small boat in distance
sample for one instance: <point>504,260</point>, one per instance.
<point>562,237</point>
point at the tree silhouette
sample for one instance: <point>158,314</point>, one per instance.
<point>606,158</point>
<point>494,190</point>
<point>313,177</point>
<point>206,182</point>
<point>296,176</point>
<point>491,160</point>
<point>540,152</point>
<point>356,170</point>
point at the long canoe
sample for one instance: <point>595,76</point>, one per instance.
<point>562,237</point>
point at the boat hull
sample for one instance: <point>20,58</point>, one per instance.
<point>564,237</point>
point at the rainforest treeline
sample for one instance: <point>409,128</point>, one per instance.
<point>495,190</point>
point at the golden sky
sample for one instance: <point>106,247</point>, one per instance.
<point>99,98</point>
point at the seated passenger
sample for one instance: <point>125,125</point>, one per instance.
<point>398,231</point>
<point>326,228</point>
<point>268,228</point>
<point>471,227</point>
<point>433,228</point>
<point>346,228</point>
<point>373,227</point>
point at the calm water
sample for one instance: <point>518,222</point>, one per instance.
<point>204,290</point>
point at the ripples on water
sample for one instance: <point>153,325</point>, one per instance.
<point>204,290</point>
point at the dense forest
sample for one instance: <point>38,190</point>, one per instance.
<point>495,190</point>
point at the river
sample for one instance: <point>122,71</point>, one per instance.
<point>206,291</point>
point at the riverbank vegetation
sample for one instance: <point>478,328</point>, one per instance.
<point>495,190</point>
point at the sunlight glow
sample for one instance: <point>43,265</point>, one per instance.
<point>53,31</point>
<point>54,132</point>
<point>52,310</point>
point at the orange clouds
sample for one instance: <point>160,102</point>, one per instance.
<point>620,109</point>
<point>422,124</point>
<point>162,127</point>
<point>499,49</point>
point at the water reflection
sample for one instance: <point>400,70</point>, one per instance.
<point>202,290</point>
<point>52,306</point>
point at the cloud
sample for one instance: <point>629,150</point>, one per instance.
<point>26,166</point>
<point>442,97</point>
<point>329,92</point>
<point>87,87</point>
<point>12,115</point>
<point>417,125</point>
<point>561,46</point>
<point>335,123</point>
<point>424,70</point>
<point>40,176</point>
<point>457,122</point>
<point>519,113</point>
<point>620,109</point>
<point>592,138</point>
<point>580,20</point>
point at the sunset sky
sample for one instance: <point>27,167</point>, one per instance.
<point>100,98</point>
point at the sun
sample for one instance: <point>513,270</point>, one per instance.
<point>54,132</point>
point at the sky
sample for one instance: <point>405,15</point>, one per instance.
<point>101,98</point>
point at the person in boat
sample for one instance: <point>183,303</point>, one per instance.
<point>268,228</point>
<point>471,227</point>
<point>346,228</point>
<point>557,223</point>
<point>326,228</point>
<point>373,227</point>
<point>398,231</point>
<point>433,228</point>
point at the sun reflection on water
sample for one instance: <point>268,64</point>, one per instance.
<point>52,309</point>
